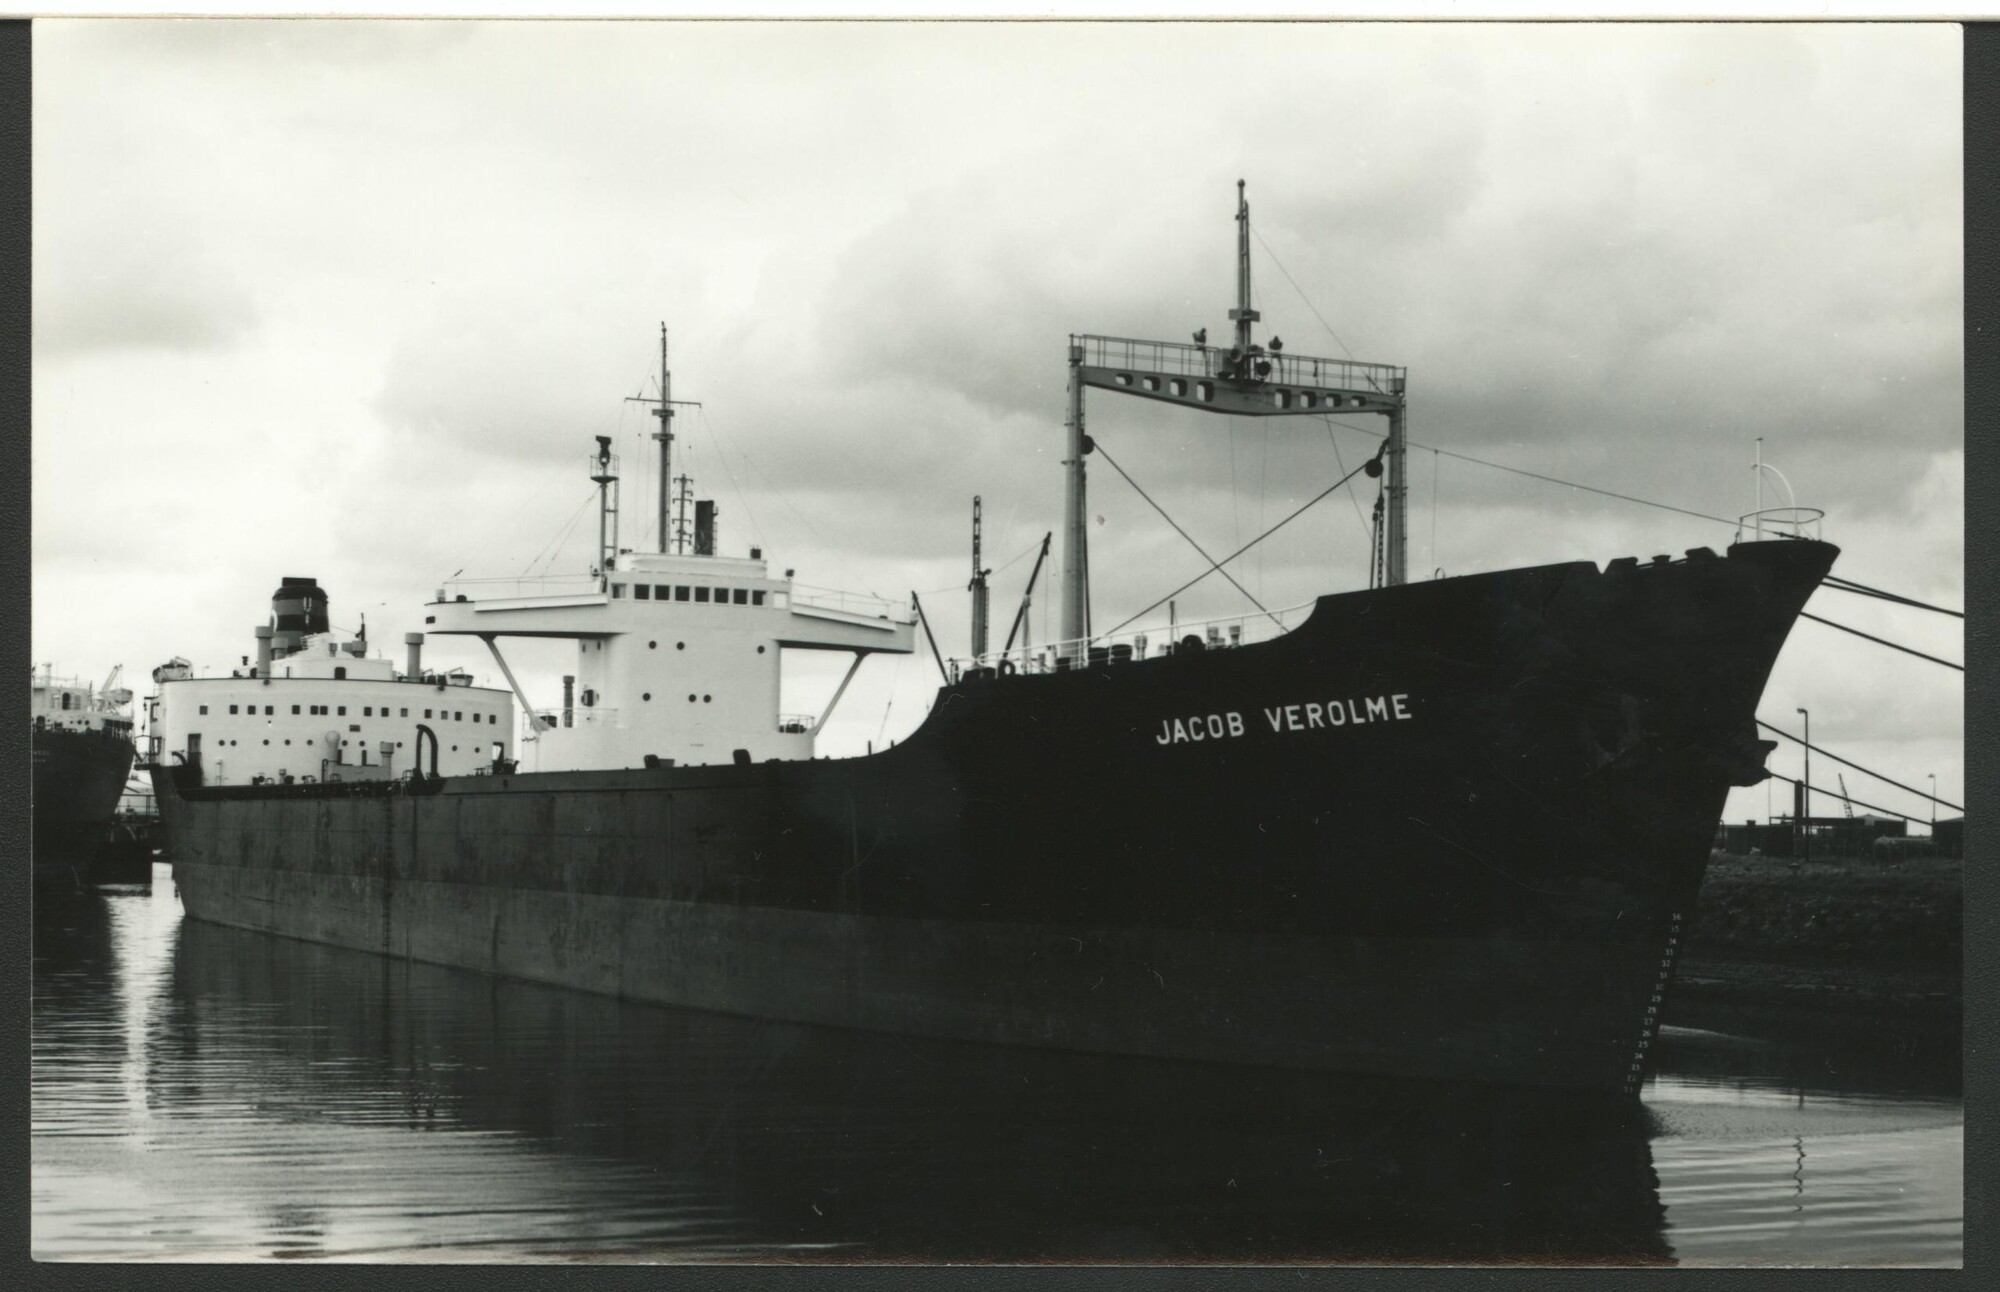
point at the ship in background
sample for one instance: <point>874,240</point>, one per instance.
<point>82,753</point>
<point>1446,829</point>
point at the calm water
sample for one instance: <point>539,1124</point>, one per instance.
<point>201,1094</point>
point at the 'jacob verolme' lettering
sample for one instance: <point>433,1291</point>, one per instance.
<point>1309,715</point>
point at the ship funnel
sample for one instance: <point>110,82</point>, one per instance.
<point>704,527</point>
<point>414,665</point>
<point>298,608</point>
<point>263,634</point>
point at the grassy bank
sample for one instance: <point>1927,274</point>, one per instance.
<point>1845,942</point>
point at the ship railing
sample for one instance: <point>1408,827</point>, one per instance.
<point>796,724</point>
<point>1779,523</point>
<point>1221,633</point>
<point>1177,358</point>
<point>542,585</point>
<point>852,603</point>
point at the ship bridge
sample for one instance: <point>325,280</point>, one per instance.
<point>679,656</point>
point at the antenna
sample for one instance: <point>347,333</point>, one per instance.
<point>665,435</point>
<point>978,588</point>
<point>663,408</point>
<point>682,497</point>
<point>1243,314</point>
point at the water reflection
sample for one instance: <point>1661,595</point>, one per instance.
<point>202,1092</point>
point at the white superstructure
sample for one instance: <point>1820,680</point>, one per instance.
<point>73,704</point>
<point>679,657</point>
<point>316,708</point>
<point>679,652</point>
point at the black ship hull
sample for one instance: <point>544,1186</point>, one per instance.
<point>78,778</point>
<point>1448,829</point>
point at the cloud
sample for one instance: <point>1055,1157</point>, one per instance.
<point>135,273</point>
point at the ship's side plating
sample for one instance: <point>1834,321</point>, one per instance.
<point>1476,870</point>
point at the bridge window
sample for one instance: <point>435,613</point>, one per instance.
<point>662,591</point>
<point>642,592</point>
<point>742,596</point>
<point>701,594</point>
<point>680,592</point>
<point>617,591</point>
<point>757,597</point>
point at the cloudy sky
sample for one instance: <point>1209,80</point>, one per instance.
<point>351,299</point>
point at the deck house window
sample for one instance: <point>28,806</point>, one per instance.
<point>680,592</point>
<point>742,596</point>
<point>757,597</point>
<point>701,594</point>
<point>662,591</point>
<point>642,592</point>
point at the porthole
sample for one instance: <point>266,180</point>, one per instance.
<point>706,698</point>
<point>652,645</point>
<point>288,742</point>
<point>690,699</point>
<point>680,645</point>
<point>267,742</point>
<point>646,695</point>
<point>760,650</point>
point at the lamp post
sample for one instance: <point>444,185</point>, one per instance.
<point>1805,799</point>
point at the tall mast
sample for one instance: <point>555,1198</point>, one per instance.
<point>1243,380</point>
<point>978,588</point>
<point>665,435</point>
<point>663,408</point>
<point>1074,620</point>
<point>1243,314</point>
<point>604,473</point>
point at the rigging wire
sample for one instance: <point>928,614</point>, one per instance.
<point>1834,794</point>
<point>1536,475</point>
<point>1352,497</point>
<point>1301,291</point>
<point>1294,515</point>
<point>741,496</point>
<point>1184,534</point>
<point>555,544</point>
<point>1859,768</point>
<point>1881,641</point>
<point>1839,584</point>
